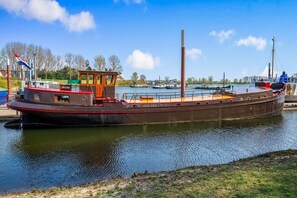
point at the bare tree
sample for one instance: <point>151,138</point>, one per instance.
<point>50,61</point>
<point>100,62</point>
<point>69,60</point>
<point>2,60</point>
<point>79,62</point>
<point>14,47</point>
<point>39,57</point>
<point>115,64</point>
<point>59,62</point>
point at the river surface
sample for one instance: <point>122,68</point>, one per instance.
<point>32,159</point>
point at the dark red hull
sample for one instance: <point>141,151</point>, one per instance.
<point>122,113</point>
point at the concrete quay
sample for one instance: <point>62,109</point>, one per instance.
<point>8,114</point>
<point>290,107</point>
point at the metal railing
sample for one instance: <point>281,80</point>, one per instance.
<point>46,85</point>
<point>174,96</point>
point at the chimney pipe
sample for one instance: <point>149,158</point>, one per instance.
<point>269,72</point>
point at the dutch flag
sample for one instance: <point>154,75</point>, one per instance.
<point>21,61</point>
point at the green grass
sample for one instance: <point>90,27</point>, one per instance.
<point>269,175</point>
<point>55,80</point>
<point>14,84</point>
<point>248,178</point>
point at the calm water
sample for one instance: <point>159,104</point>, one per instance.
<point>33,159</point>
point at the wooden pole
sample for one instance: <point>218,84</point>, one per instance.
<point>8,80</point>
<point>272,67</point>
<point>183,63</point>
<point>22,73</point>
<point>224,79</point>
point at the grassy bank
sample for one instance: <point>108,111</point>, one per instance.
<point>14,84</point>
<point>269,175</point>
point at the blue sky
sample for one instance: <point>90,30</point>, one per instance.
<point>220,35</point>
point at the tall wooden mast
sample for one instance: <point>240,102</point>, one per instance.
<point>272,62</point>
<point>183,62</point>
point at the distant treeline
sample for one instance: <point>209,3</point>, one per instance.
<point>50,66</point>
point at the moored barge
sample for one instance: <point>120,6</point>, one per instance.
<point>94,103</point>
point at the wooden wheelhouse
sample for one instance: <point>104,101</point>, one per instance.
<point>101,83</point>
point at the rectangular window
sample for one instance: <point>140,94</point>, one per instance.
<point>83,79</point>
<point>62,98</point>
<point>91,79</point>
<point>36,96</point>
<point>65,87</point>
<point>109,79</point>
<point>99,79</point>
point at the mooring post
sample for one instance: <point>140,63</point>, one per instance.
<point>8,80</point>
<point>183,62</point>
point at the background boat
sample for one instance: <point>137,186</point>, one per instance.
<point>3,96</point>
<point>139,86</point>
<point>173,86</point>
<point>160,86</point>
<point>213,87</point>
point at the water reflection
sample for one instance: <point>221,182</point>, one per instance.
<point>55,157</point>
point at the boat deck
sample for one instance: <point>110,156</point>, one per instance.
<point>148,99</point>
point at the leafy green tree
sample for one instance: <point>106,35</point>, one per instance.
<point>134,78</point>
<point>203,81</point>
<point>210,79</point>
<point>87,63</point>
<point>142,79</point>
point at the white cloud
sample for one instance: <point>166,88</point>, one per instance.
<point>49,11</point>
<point>141,60</point>
<point>259,43</point>
<point>79,22</point>
<point>194,53</point>
<point>222,36</point>
<point>129,1</point>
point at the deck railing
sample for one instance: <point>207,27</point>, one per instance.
<point>47,85</point>
<point>173,96</point>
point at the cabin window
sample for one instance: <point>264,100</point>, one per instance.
<point>91,79</point>
<point>83,79</point>
<point>62,98</point>
<point>36,96</point>
<point>99,80</point>
<point>109,79</point>
<point>65,87</point>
